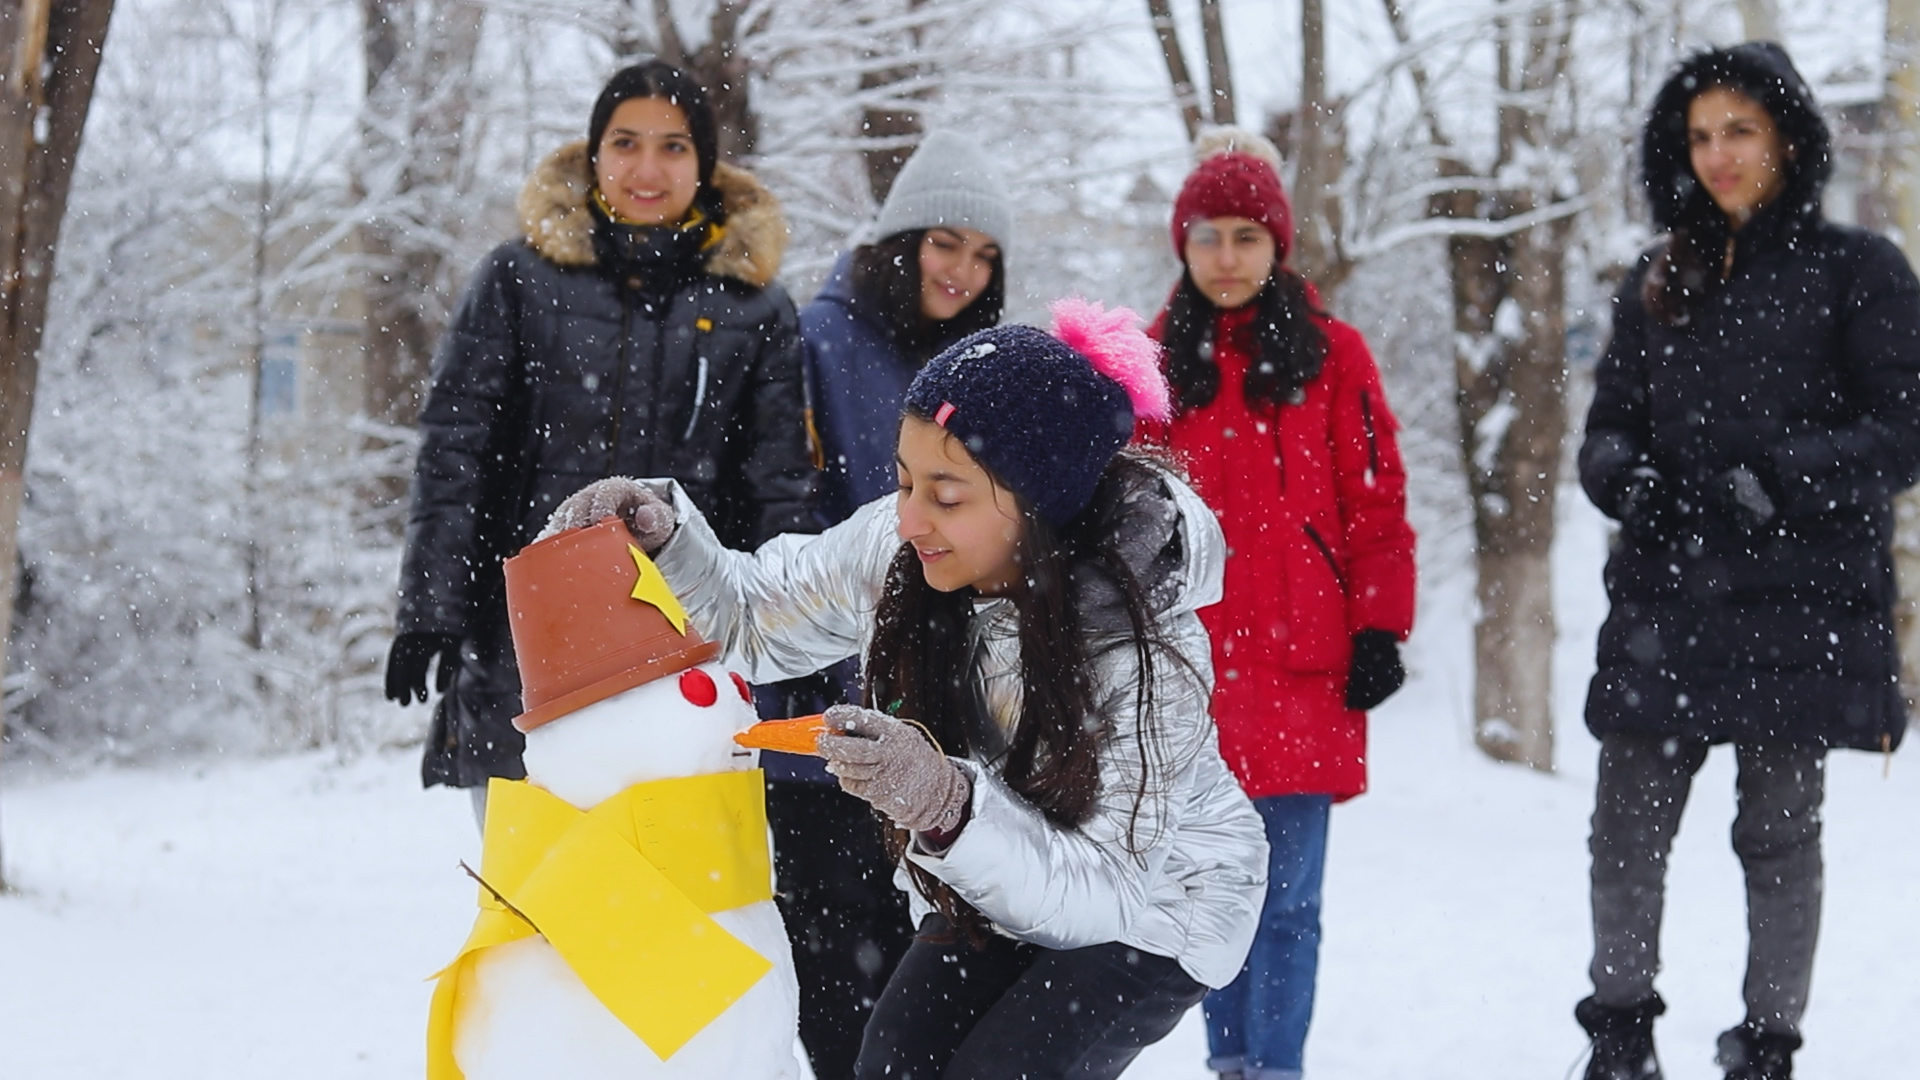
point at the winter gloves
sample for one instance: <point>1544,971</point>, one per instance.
<point>1647,508</point>
<point>649,517</point>
<point>407,664</point>
<point>1376,671</point>
<point>1743,498</point>
<point>895,766</point>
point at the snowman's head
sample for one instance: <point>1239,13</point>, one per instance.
<point>677,725</point>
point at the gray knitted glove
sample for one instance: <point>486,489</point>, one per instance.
<point>896,767</point>
<point>649,517</point>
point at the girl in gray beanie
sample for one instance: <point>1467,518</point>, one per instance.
<point>934,274</point>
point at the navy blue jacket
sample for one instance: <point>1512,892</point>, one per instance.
<point>859,381</point>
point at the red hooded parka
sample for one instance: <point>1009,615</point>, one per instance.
<point>1313,504</point>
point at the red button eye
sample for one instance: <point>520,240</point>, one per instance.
<point>740,684</point>
<point>697,686</point>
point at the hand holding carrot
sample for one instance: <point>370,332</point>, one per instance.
<point>895,766</point>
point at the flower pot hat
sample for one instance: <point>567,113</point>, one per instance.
<point>593,617</point>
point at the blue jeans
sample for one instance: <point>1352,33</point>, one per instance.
<point>1258,1024</point>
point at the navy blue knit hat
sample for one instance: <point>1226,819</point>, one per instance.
<point>1046,412</point>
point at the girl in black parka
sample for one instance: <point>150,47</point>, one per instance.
<point>1754,415</point>
<point>633,329</point>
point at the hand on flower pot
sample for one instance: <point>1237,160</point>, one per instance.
<point>649,517</point>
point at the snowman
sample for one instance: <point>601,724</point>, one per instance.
<point>627,925</point>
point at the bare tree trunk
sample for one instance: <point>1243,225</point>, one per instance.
<point>265,199</point>
<point>1522,434</point>
<point>892,126</point>
<point>1509,301</point>
<point>1184,92</point>
<point>1314,139</point>
<point>721,67</point>
<point>49,55</point>
<point>1513,691</point>
<point>1219,71</point>
<point>419,69</point>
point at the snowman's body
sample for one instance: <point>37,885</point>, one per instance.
<point>524,1013</point>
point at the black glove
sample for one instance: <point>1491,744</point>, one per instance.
<point>408,659</point>
<point>1645,506</point>
<point>1376,671</point>
<point>1742,497</point>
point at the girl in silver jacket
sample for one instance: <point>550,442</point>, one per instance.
<point>1083,866</point>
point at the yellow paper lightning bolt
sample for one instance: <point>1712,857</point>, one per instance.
<point>652,589</point>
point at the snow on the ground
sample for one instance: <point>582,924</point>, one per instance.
<point>279,918</point>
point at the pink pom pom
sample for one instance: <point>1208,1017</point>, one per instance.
<point>1118,348</point>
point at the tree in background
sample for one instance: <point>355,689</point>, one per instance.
<point>49,57</point>
<point>411,181</point>
<point>1510,219</point>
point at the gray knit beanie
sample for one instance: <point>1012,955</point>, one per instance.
<point>948,181</point>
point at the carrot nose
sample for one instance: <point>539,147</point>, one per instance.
<point>800,735</point>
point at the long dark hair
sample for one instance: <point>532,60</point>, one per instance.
<point>659,79</point>
<point>1287,348</point>
<point>1688,266</point>
<point>886,283</point>
<point>919,664</point>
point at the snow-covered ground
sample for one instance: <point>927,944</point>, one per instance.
<point>278,918</point>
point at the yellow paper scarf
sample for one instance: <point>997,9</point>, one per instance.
<point>622,892</point>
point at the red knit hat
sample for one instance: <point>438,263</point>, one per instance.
<point>1238,176</point>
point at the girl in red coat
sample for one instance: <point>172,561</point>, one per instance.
<point>1282,426</point>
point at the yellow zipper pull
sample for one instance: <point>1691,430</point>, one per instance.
<point>1886,751</point>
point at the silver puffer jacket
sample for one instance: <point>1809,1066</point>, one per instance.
<point>1172,861</point>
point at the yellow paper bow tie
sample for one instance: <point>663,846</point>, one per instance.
<point>623,893</point>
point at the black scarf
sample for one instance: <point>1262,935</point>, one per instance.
<point>654,260</point>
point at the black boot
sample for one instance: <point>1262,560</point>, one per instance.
<point>1748,1053</point>
<point>1622,1039</point>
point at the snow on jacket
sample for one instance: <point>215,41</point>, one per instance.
<point>1312,501</point>
<point>555,372</point>
<point>1193,886</point>
<point>1803,367</point>
<point>859,381</point>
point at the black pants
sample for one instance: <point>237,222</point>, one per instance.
<point>1013,1011</point>
<point>847,922</point>
<point>1643,787</point>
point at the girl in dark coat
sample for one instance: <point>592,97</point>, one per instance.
<point>1753,417</point>
<point>1284,430</point>
<point>631,329</point>
<point>935,274</point>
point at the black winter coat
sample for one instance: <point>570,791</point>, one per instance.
<point>1803,367</point>
<point>557,371</point>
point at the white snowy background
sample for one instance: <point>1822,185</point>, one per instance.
<point>224,863</point>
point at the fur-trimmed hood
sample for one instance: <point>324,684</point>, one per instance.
<point>555,217</point>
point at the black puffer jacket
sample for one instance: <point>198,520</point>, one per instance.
<point>1803,367</point>
<point>558,370</point>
